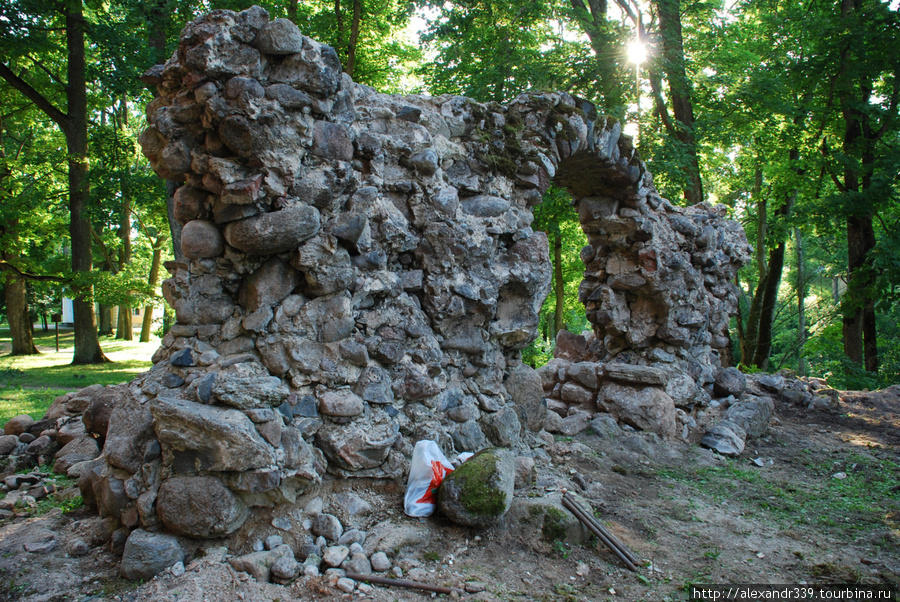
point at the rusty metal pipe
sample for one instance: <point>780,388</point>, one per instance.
<point>404,583</point>
<point>609,535</point>
<point>579,514</point>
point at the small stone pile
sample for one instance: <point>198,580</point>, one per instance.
<point>747,405</point>
<point>639,396</point>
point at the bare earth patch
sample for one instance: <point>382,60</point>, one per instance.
<point>816,501</point>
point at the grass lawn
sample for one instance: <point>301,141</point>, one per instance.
<point>29,384</point>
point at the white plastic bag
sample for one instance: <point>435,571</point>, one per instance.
<point>426,473</point>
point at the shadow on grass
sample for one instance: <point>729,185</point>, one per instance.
<point>29,384</point>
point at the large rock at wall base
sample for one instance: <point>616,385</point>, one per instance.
<point>274,232</point>
<point>199,507</point>
<point>299,456</point>
<point>17,424</point>
<point>130,430</point>
<point>480,491</point>
<point>194,436</point>
<point>752,414</point>
<point>103,490</point>
<point>729,381</point>
<point>524,387</point>
<point>644,408</point>
<point>148,554</point>
<point>360,445</point>
<point>96,416</point>
<point>725,437</point>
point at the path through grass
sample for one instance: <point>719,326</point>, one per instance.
<point>29,384</point>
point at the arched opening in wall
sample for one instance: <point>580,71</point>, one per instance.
<point>562,310</point>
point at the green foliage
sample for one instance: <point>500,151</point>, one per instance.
<point>558,219</point>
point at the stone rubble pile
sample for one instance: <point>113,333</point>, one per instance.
<point>361,273</point>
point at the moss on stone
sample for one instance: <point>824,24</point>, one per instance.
<point>554,528</point>
<point>476,494</point>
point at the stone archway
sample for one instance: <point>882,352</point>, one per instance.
<point>361,273</point>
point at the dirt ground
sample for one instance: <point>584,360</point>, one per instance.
<point>815,501</point>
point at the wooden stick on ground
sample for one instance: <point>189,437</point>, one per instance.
<point>403,583</point>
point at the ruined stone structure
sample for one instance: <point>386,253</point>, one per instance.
<point>361,273</point>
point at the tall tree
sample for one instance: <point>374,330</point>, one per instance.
<point>867,86</point>
<point>14,291</point>
<point>73,123</point>
<point>490,50</point>
<point>673,65</point>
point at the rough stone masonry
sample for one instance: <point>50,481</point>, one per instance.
<point>360,273</point>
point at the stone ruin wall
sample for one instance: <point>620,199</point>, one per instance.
<point>360,273</point>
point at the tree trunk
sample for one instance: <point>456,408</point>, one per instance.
<point>855,90</point>
<point>354,37</point>
<point>87,344</point>
<point>153,280</point>
<point>761,220</point>
<point>126,323</point>
<point>859,309</point>
<point>593,21</point>
<point>106,326</point>
<point>750,335</point>
<point>765,300</point>
<point>767,307</point>
<point>669,13</point>
<point>801,304</point>
<point>17,315</point>
<point>559,286</point>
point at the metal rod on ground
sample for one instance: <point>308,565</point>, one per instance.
<point>403,583</point>
<point>609,544</point>
<point>618,543</point>
<point>579,514</point>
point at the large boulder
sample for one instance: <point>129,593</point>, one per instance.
<point>129,433</point>
<point>480,491</point>
<point>194,437</point>
<point>199,507</point>
<point>17,424</point>
<point>148,554</point>
<point>725,437</point>
<point>752,414</point>
<point>644,407</point>
<point>730,381</point>
<point>524,387</point>
<point>96,416</point>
